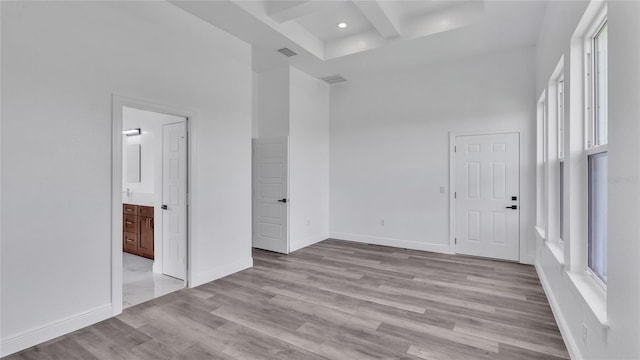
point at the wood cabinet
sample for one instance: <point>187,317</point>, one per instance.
<point>137,230</point>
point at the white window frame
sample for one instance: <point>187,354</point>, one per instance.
<point>542,160</point>
<point>560,116</point>
<point>600,21</point>
<point>555,114</point>
<point>560,119</point>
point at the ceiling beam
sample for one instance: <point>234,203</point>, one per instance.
<point>283,11</point>
<point>378,18</point>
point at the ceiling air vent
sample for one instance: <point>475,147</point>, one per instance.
<point>287,52</point>
<point>333,79</point>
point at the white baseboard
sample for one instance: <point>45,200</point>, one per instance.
<point>406,244</point>
<point>221,271</point>
<point>307,242</point>
<point>157,267</point>
<point>528,260</point>
<point>569,340</point>
<point>54,329</point>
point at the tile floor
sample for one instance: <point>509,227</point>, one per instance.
<point>141,283</point>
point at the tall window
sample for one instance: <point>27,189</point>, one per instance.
<point>545,162</point>
<point>596,152</point>
<point>541,163</point>
<point>560,117</point>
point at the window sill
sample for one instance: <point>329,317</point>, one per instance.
<point>557,250</point>
<point>594,296</point>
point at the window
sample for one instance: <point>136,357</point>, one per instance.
<point>600,86</point>
<point>598,215</point>
<point>561,195</point>
<point>541,189</point>
<point>596,153</point>
<point>545,161</point>
<point>560,118</point>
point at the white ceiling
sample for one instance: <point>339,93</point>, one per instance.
<point>381,35</point>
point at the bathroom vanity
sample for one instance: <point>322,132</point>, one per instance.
<point>137,230</point>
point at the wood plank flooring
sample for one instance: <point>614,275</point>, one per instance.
<point>335,300</point>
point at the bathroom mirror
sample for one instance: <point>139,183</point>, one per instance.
<point>133,163</point>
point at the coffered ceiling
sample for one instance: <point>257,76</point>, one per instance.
<point>376,36</point>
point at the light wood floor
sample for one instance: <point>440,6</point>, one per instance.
<point>335,300</point>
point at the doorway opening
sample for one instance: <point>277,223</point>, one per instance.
<point>150,202</point>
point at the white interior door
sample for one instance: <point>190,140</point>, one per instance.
<point>174,200</point>
<point>270,189</point>
<point>488,195</point>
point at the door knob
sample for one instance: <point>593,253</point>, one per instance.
<point>164,207</point>
<point>282,200</point>
<point>513,207</point>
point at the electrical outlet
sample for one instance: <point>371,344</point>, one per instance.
<point>584,333</point>
<point>382,222</point>
<point>441,189</point>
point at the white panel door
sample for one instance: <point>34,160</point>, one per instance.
<point>270,189</point>
<point>174,200</point>
<point>487,177</point>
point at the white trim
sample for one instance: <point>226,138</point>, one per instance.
<point>528,259</point>
<point>596,23</point>
<point>563,326</point>
<point>592,295</point>
<point>596,150</point>
<point>204,277</point>
<point>557,250</point>
<point>406,244</point>
<point>595,279</point>
<point>35,336</point>
<point>288,197</point>
<point>452,193</point>
<point>541,233</point>
<point>116,205</point>
<point>307,242</point>
<point>118,102</point>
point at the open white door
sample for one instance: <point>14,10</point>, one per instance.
<point>270,171</point>
<point>488,195</point>
<point>174,200</point>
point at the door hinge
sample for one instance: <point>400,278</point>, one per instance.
<point>455,195</point>
<point>455,241</point>
<point>455,149</point>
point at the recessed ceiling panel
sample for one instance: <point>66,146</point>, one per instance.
<point>410,10</point>
<point>324,24</point>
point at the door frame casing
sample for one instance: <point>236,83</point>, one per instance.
<point>118,102</point>
<point>452,184</point>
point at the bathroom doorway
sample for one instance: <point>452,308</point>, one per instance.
<point>152,249</point>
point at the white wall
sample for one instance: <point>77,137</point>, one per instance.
<point>150,141</point>
<point>617,338</point>
<point>255,107</point>
<point>294,104</point>
<point>273,102</point>
<point>308,160</point>
<point>390,146</point>
<point>61,63</point>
